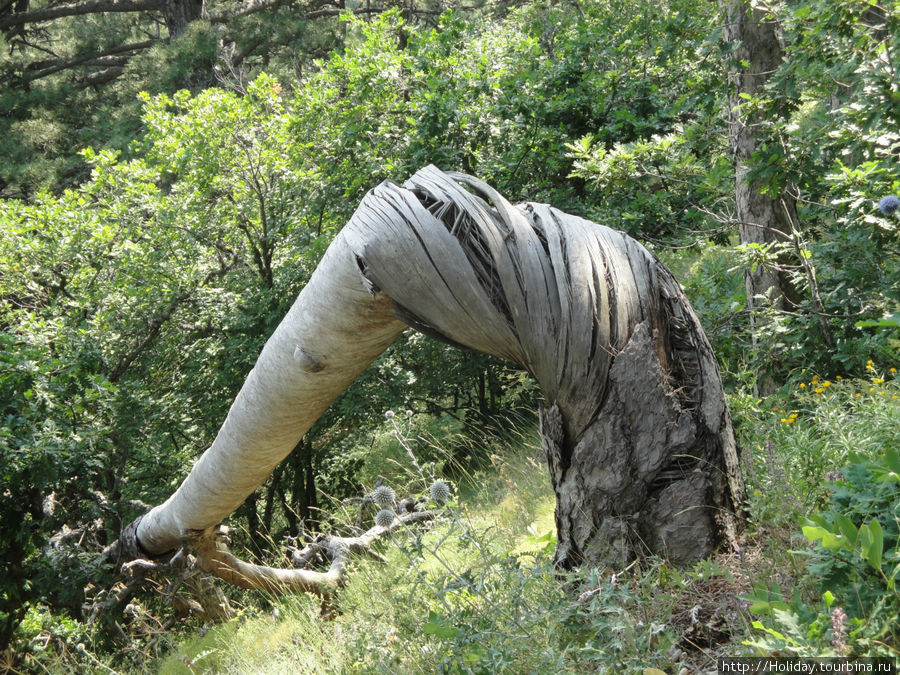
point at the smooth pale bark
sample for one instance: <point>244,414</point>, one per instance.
<point>637,432</point>
<point>331,334</point>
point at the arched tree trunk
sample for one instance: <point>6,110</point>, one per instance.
<point>637,432</point>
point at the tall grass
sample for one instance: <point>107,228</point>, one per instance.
<point>476,591</point>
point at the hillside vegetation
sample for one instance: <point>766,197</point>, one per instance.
<point>161,206</point>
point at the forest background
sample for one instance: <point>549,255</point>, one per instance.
<point>173,171</point>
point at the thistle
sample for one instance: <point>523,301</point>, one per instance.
<point>889,204</point>
<point>383,496</point>
<point>385,518</point>
<point>439,491</point>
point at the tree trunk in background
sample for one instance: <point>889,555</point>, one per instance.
<point>180,13</point>
<point>762,219</point>
<point>637,432</point>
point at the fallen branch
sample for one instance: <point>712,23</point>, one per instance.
<point>213,556</point>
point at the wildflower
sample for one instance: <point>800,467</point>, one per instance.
<point>784,420</point>
<point>409,413</point>
<point>385,518</point>
<point>889,204</point>
<point>819,390</point>
<point>439,491</point>
<point>839,631</point>
<point>858,395</point>
<point>892,370</point>
<point>877,380</point>
<point>793,416</point>
<point>389,414</point>
<point>839,378</point>
<point>383,496</point>
<point>834,476</point>
<point>803,385</point>
<point>826,383</point>
<point>871,388</point>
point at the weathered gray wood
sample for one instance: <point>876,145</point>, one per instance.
<point>637,432</point>
<point>641,438</point>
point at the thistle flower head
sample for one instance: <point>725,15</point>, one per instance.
<point>439,491</point>
<point>383,496</point>
<point>384,518</point>
<point>889,204</point>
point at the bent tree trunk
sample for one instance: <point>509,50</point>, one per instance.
<point>636,429</point>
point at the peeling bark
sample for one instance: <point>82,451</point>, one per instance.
<point>637,432</point>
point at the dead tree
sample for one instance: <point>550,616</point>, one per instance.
<point>636,428</point>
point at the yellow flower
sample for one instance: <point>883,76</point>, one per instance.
<point>826,383</point>
<point>871,388</point>
<point>819,390</point>
<point>870,367</point>
<point>815,378</point>
<point>877,380</point>
<point>895,396</point>
<point>790,421</point>
<point>784,420</point>
<point>892,370</point>
<point>869,362</point>
<point>793,416</point>
<point>858,394</point>
<point>839,378</point>
<point>803,385</point>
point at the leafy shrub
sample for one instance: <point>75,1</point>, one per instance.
<point>856,561</point>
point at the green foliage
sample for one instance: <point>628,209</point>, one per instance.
<point>133,303</point>
<point>476,592</point>
<point>857,561</point>
<point>830,138</point>
<point>823,462</point>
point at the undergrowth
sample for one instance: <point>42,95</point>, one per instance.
<point>476,591</point>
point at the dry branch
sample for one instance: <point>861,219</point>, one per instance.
<point>77,9</point>
<point>214,557</point>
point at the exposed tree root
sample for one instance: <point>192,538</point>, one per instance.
<point>186,579</point>
<point>213,556</point>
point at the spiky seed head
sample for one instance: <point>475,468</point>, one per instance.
<point>389,414</point>
<point>383,496</point>
<point>889,204</point>
<point>409,413</point>
<point>439,491</point>
<point>384,518</point>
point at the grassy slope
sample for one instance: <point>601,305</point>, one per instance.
<point>476,593</point>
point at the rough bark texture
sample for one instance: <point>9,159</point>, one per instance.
<point>180,13</point>
<point>763,219</point>
<point>637,432</point>
<point>638,436</point>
